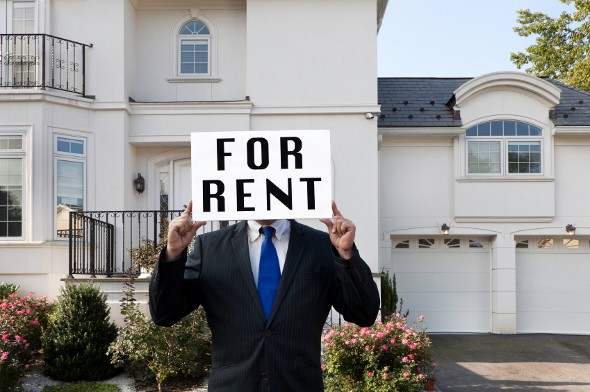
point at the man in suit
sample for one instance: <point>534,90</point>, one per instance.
<point>276,347</point>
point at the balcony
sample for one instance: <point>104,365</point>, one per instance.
<point>42,61</point>
<point>114,243</point>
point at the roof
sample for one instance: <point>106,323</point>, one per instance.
<point>422,102</point>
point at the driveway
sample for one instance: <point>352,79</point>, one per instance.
<point>532,363</point>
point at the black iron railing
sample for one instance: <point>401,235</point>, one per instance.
<point>113,242</point>
<point>42,61</point>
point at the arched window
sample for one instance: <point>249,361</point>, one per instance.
<point>194,43</point>
<point>504,147</point>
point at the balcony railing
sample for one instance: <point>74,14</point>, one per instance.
<point>110,242</point>
<point>42,61</point>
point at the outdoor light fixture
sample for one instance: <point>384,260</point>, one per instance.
<point>444,229</point>
<point>139,183</point>
<point>570,229</point>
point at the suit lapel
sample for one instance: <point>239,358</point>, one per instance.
<point>242,257</point>
<point>297,245</point>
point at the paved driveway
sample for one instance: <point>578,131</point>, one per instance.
<point>532,363</point>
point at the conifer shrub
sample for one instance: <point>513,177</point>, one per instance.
<point>78,335</point>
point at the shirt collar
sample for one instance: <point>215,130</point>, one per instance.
<point>281,226</point>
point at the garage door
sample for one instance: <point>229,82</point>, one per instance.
<point>553,285</point>
<point>445,279</point>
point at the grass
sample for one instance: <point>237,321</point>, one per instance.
<point>83,387</point>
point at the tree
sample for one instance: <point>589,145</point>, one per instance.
<point>562,47</point>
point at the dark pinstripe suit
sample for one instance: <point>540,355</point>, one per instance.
<point>249,353</point>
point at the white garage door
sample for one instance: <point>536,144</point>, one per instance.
<point>445,279</point>
<point>553,285</point>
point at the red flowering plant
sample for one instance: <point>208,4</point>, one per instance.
<point>389,356</point>
<point>22,321</point>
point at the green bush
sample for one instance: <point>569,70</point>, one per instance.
<point>7,288</point>
<point>389,298</point>
<point>387,357</point>
<point>83,387</point>
<point>78,335</point>
<point>22,321</point>
<point>147,350</point>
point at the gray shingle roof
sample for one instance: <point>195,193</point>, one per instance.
<point>422,102</point>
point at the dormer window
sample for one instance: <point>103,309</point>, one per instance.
<point>194,42</point>
<point>504,147</point>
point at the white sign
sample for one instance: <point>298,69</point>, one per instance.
<point>261,175</point>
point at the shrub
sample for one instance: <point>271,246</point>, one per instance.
<point>7,288</point>
<point>22,321</point>
<point>161,352</point>
<point>78,335</point>
<point>387,357</point>
<point>25,316</point>
<point>15,355</point>
<point>389,297</point>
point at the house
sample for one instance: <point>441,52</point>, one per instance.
<point>483,201</point>
<point>98,100</point>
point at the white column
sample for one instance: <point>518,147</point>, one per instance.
<point>503,286</point>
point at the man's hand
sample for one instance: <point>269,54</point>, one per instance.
<point>341,231</point>
<point>181,231</point>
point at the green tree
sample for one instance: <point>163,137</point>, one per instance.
<point>562,48</point>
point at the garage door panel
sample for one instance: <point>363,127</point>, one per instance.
<point>555,283</point>
<point>442,281</point>
<point>556,322</point>
<point>438,263</point>
<point>437,321</point>
<point>446,301</point>
<point>549,303</point>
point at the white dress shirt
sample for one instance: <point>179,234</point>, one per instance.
<point>280,240</point>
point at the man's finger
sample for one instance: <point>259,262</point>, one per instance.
<point>189,208</point>
<point>328,222</point>
<point>335,210</point>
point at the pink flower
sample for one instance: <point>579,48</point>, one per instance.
<point>379,335</point>
<point>411,356</point>
<point>421,318</point>
<point>385,347</point>
<point>384,376</point>
<point>421,376</point>
<point>406,374</point>
<point>392,340</point>
<point>341,333</point>
<point>405,359</point>
<point>367,348</point>
<point>5,336</point>
<point>413,345</point>
<point>27,366</point>
<point>4,355</point>
<point>323,367</point>
<point>404,341</point>
<point>370,374</point>
<point>353,341</point>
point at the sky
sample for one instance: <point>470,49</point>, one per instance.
<point>454,38</point>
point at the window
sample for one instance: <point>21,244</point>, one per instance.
<point>504,148</point>
<point>70,180</point>
<point>11,186</point>
<point>194,49</point>
<point>20,53</point>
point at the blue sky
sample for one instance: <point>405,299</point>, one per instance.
<point>453,38</point>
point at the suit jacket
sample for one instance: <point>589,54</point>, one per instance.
<point>250,353</point>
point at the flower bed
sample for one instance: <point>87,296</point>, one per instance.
<point>388,357</point>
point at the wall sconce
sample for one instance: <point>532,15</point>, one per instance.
<point>444,229</point>
<point>570,229</point>
<point>139,183</point>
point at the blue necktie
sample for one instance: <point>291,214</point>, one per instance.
<point>269,272</point>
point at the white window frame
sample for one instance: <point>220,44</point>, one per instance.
<point>504,142</point>
<point>439,243</point>
<point>68,157</point>
<point>175,75</point>
<point>19,154</point>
